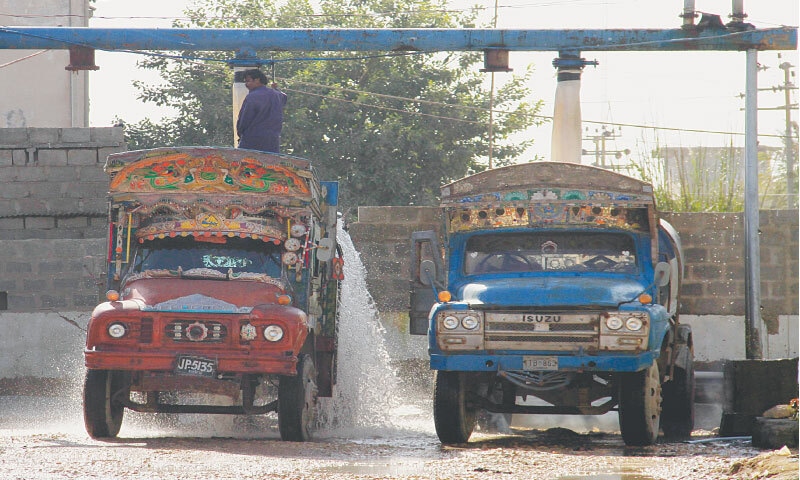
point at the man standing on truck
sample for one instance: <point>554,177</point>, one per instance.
<point>261,116</point>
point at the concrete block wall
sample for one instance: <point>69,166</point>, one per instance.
<point>713,244</point>
<point>52,175</point>
<point>53,216</point>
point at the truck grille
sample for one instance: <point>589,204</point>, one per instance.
<point>195,331</point>
<point>560,331</point>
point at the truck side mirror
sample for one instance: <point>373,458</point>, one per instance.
<point>427,272</point>
<point>661,274</point>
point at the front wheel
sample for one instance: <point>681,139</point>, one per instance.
<point>453,416</point>
<point>297,401</point>
<point>102,416</point>
<point>640,406</point>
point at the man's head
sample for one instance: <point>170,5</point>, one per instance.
<point>254,78</point>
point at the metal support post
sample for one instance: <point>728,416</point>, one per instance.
<point>753,350</point>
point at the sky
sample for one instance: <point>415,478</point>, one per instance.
<point>675,90</point>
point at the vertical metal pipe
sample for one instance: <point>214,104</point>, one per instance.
<point>566,137</point>
<point>737,15</point>
<point>239,91</point>
<point>752,250</point>
<point>688,13</point>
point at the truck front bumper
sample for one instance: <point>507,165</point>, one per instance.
<point>568,363</point>
<point>227,362</point>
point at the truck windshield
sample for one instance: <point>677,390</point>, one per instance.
<point>236,255</point>
<point>562,251</point>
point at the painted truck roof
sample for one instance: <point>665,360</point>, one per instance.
<point>253,177</point>
<point>547,182</point>
<point>212,191</point>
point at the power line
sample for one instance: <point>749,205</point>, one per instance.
<point>198,59</point>
<point>382,107</point>
<point>12,62</point>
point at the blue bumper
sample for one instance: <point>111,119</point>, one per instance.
<point>573,363</point>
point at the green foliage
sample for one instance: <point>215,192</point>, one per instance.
<point>702,179</point>
<point>391,128</point>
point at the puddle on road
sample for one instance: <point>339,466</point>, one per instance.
<point>607,476</point>
<point>386,468</point>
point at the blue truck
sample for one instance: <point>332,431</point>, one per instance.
<point>556,281</point>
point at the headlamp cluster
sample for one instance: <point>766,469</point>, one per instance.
<point>632,323</point>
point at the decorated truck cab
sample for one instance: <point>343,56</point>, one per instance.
<point>554,290</point>
<point>223,279</point>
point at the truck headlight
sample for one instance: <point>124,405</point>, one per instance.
<point>117,330</point>
<point>470,322</point>
<point>273,333</point>
<point>634,324</point>
<point>613,323</point>
<point>450,322</point>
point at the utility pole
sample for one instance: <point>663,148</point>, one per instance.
<point>787,107</point>
<point>791,193</point>
<point>600,151</point>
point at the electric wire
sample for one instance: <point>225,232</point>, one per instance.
<point>392,54</point>
<point>12,62</point>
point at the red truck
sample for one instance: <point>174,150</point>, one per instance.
<point>223,278</point>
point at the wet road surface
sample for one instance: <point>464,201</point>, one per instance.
<point>43,438</point>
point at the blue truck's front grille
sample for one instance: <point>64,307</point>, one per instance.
<point>563,330</point>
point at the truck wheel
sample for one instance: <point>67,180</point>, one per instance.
<point>677,414</point>
<point>453,417</point>
<point>640,406</point>
<point>297,401</point>
<point>101,415</point>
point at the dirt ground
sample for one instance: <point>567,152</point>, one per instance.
<point>43,438</point>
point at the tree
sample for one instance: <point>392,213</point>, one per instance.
<point>391,127</point>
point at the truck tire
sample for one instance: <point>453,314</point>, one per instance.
<point>101,415</point>
<point>297,401</point>
<point>453,417</point>
<point>640,406</point>
<point>677,409</point>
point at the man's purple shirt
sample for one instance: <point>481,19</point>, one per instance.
<point>260,119</point>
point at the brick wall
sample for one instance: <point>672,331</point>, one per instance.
<point>712,242</point>
<point>49,174</point>
<point>53,216</point>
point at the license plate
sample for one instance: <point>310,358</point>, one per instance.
<point>197,366</point>
<point>539,363</point>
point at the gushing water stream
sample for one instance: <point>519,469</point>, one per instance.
<point>368,398</point>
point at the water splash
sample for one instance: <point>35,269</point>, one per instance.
<point>366,390</point>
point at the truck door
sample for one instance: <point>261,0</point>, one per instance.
<point>427,278</point>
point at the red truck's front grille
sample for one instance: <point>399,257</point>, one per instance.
<point>195,331</point>
<point>146,330</point>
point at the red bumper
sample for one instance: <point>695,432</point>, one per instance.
<point>227,362</point>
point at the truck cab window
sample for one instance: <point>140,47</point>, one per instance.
<point>236,254</point>
<point>550,251</point>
